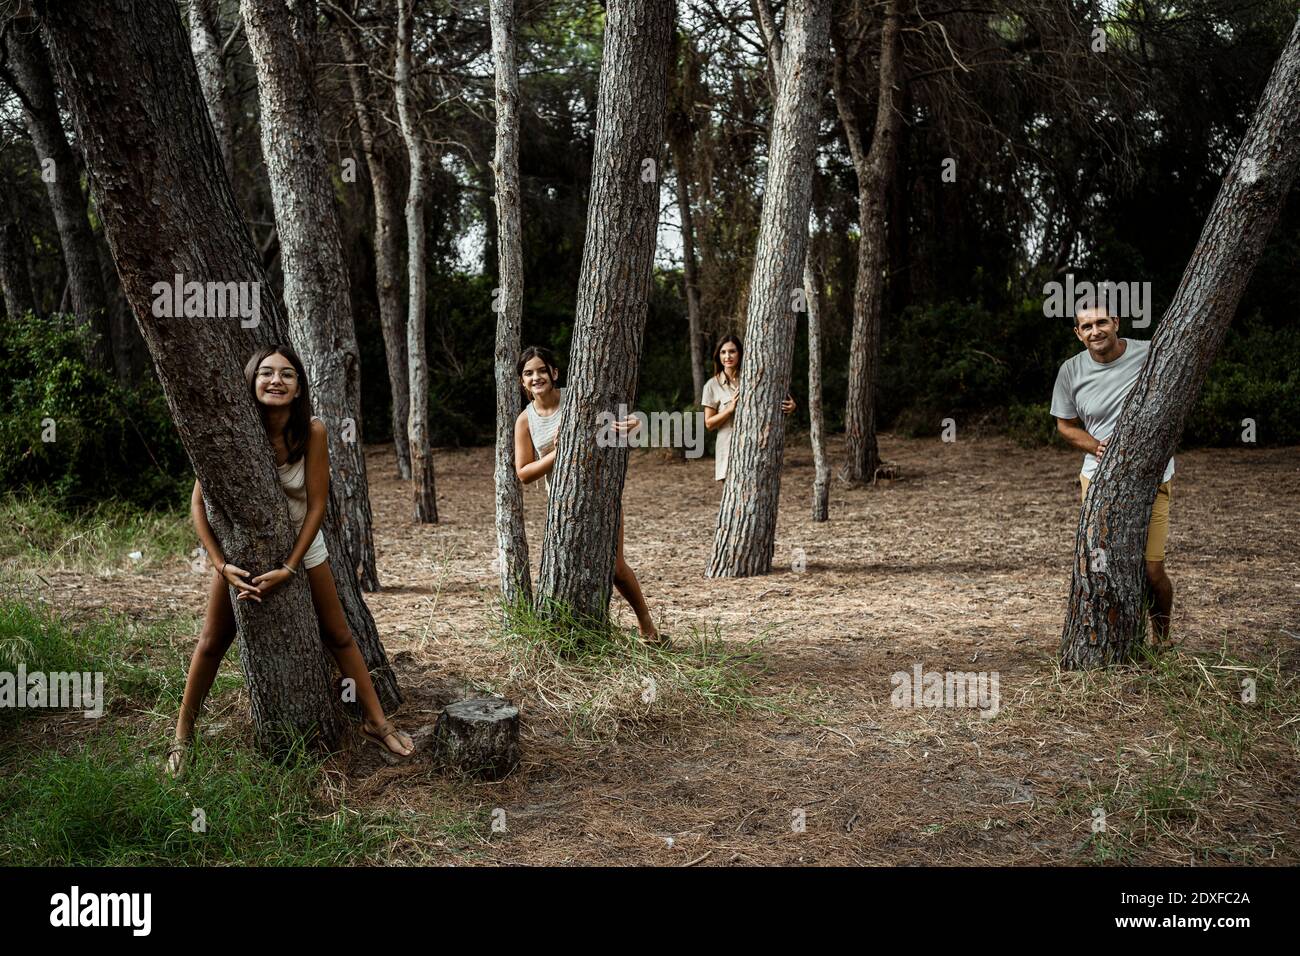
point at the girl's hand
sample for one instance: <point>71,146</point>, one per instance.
<point>788,405</point>
<point>627,426</point>
<point>271,580</point>
<point>235,578</point>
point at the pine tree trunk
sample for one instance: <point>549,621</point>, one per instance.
<point>14,276</point>
<point>512,542</point>
<point>281,37</point>
<point>205,44</point>
<point>129,79</point>
<point>875,171</point>
<point>822,479</point>
<point>585,500</point>
<point>425,497</point>
<point>1105,623</point>
<point>746,532</point>
<point>30,66</point>
<point>690,276</point>
<point>388,262</point>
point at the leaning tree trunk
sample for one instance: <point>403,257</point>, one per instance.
<point>874,170</point>
<point>205,44</point>
<point>1106,622</point>
<point>388,262</point>
<point>129,79</point>
<point>30,68</point>
<point>822,479</point>
<point>14,275</point>
<point>282,38</point>
<point>585,501</point>
<point>746,531</point>
<point>425,498</point>
<point>512,542</point>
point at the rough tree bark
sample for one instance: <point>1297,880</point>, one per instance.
<point>28,69</point>
<point>425,498</point>
<point>282,38</point>
<point>205,44</point>
<point>14,275</point>
<point>130,79</point>
<point>512,542</point>
<point>388,260</point>
<point>875,170</point>
<point>817,434</point>
<point>746,531</point>
<point>585,500</point>
<point>1106,622</point>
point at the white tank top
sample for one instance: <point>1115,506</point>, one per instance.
<point>293,479</point>
<point>542,428</point>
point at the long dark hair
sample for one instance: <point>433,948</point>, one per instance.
<point>547,356</point>
<point>718,370</point>
<point>298,427</point>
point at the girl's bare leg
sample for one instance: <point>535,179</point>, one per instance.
<point>336,634</point>
<point>214,640</point>
<point>628,586</point>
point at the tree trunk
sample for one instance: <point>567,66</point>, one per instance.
<point>205,44</point>
<point>426,501</point>
<point>746,530</point>
<point>690,276</point>
<point>875,170</point>
<point>512,542</point>
<point>585,501</point>
<point>822,480</point>
<point>1105,623</point>
<point>14,276</point>
<point>281,37</point>
<point>130,79</point>
<point>388,263</point>
<point>30,68</point>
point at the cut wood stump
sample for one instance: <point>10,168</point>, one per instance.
<point>478,736</point>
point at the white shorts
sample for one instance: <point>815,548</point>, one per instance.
<point>316,554</point>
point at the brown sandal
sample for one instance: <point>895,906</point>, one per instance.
<point>180,749</point>
<point>380,736</point>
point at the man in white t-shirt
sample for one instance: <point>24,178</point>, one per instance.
<point>1087,400</point>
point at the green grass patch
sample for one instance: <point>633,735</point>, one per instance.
<point>37,534</point>
<point>602,681</point>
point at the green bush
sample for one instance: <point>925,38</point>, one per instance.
<point>70,432</point>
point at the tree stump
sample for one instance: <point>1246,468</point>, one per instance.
<point>478,736</point>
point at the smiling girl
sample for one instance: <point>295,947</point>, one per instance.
<point>535,449</point>
<point>721,392</point>
<point>277,384</point>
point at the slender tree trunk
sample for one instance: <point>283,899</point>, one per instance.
<point>822,480</point>
<point>1105,623</point>
<point>282,38</point>
<point>690,275</point>
<point>585,501</point>
<point>875,170</point>
<point>205,44</point>
<point>14,276</point>
<point>512,542</point>
<point>746,532</point>
<point>425,497</point>
<point>388,262</point>
<point>30,68</point>
<point>130,79</point>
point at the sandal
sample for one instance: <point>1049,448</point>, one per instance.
<point>381,734</point>
<point>660,640</point>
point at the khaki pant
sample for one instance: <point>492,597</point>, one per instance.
<point>1158,529</point>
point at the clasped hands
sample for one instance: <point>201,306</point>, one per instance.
<point>260,586</point>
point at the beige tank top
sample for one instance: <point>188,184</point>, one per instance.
<point>293,479</point>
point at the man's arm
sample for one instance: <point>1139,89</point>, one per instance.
<point>1072,431</point>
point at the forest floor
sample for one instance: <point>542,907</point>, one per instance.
<point>962,564</point>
